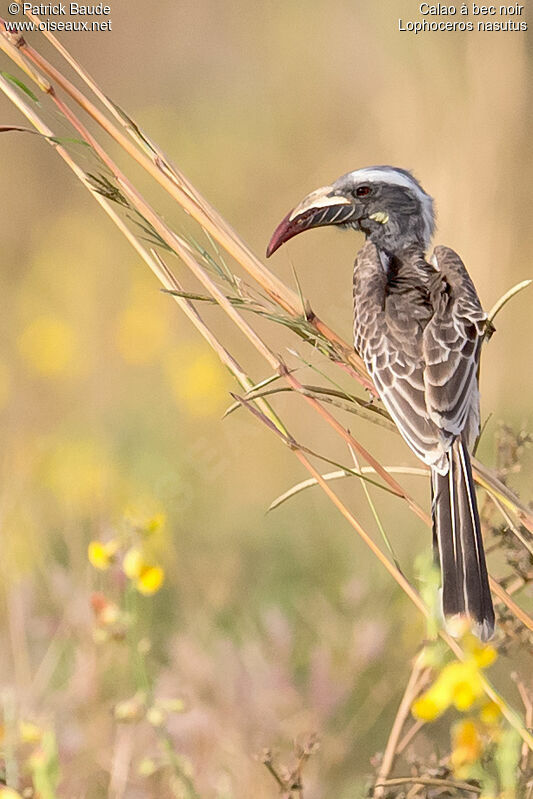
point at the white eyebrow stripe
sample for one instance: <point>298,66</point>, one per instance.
<point>387,176</point>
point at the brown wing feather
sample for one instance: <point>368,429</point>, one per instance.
<point>452,345</point>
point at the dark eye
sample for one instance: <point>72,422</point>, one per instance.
<point>363,191</point>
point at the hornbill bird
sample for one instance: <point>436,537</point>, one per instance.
<point>419,326</point>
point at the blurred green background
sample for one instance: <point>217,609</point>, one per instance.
<point>272,626</point>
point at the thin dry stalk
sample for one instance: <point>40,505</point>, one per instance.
<point>459,786</point>
<point>290,780</point>
<point>512,526</point>
<point>510,604</point>
<point>338,475</point>
<point>417,679</point>
<point>527,701</point>
<point>409,735</point>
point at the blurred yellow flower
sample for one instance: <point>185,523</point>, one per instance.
<point>156,716</point>
<point>459,683</point>
<point>5,384</point>
<point>467,685</point>
<point>147,767</point>
<point>140,332</point>
<point>132,563</point>
<point>198,380</point>
<point>150,580</point>
<point>47,345</point>
<point>146,576</point>
<point>490,714</point>
<point>101,555</point>
<point>29,732</point>
<point>143,518</point>
<point>154,524</point>
<point>467,747</point>
<point>130,710</point>
<point>483,655</point>
<point>9,793</point>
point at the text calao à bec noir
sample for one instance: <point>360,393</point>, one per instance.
<point>508,18</point>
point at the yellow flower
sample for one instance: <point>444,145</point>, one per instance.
<point>147,767</point>
<point>132,563</point>
<point>467,747</point>
<point>484,656</point>
<point>156,716</point>
<point>147,577</point>
<point>101,555</point>
<point>150,580</point>
<point>9,793</point>
<point>467,685</point>
<point>154,524</point>
<point>431,705</point>
<point>47,345</point>
<point>459,684</point>
<point>143,518</point>
<point>29,732</point>
<point>427,708</point>
<point>144,515</point>
<point>490,714</point>
<point>130,710</point>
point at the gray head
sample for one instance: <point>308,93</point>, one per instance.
<point>384,202</point>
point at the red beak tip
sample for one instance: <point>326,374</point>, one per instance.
<point>281,234</point>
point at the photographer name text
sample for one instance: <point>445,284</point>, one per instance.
<point>64,9</point>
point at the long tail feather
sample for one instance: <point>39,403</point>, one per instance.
<point>458,544</point>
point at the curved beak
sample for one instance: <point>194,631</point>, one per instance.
<point>319,208</point>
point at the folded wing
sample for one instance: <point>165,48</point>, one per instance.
<point>451,347</point>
